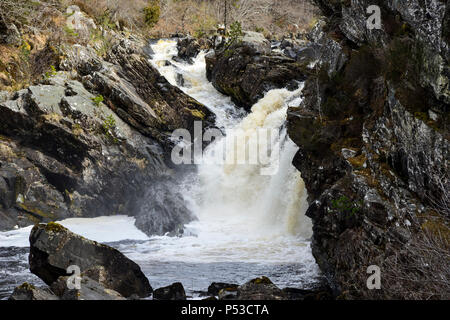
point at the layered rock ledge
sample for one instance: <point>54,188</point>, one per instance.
<point>93,138</point>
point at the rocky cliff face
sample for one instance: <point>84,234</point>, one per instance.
<point>373,132</point>
<point>93,139</point>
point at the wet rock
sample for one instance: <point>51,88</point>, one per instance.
<point>173,292</point>
<point>180,80</point>
<point>88,290</point>
<point>54,248</point>
<point>215,287</point>
<point>29,292</point>
<point>165,198</point>
<point>188,48</point>
<point>260,289</point>
<point>136,75</point>
<point>228,293</point>
<point>247,69</point>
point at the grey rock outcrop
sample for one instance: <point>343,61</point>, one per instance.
<point>9,34</point>
<point>260,289</point>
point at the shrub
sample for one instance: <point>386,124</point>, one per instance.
<point>152,13</point>
<point>50,73</point>
<point>70,32</point>
<point>98,100</point>
<point>235,31</point>
<point>346,206</point>
<point>109,124</point>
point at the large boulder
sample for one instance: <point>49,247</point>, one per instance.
<point>215,287</point>
<point>54,248</point>
<point>188,48</point>
<point>246,69</point>
<point>256,42</point>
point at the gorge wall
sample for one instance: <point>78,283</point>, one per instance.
<point>373,132</point>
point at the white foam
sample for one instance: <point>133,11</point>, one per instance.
<point>105,229</point>
<point>15,238</point>
<point>100,229</point>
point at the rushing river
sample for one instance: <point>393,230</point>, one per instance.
<point>249,224</point>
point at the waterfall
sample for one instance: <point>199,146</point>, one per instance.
<point>249,215</point>
<point>249,224</point>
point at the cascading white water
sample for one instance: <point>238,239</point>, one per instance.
<point>243,215</point>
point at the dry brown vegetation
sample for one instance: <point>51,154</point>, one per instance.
<point>197,17</point>
<point>43,32</point>
<point>421,269</point>
<point>40,26</point>
<point>129,14</point>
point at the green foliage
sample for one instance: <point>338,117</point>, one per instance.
<point>228,53</point>
<point>98,100</point>
<point>106,21</point>
<point>101,44</point>
<point>345,206</point>
<point>235,31</point>
<point>199,33</point>
<point>109,124</point>
<point>152,13</point>
<point>69,14</point>
<point>259,29</point>
<point>235,34</point>
<point>25,49</point>
<point>50,73</point>
<point>69,31</point>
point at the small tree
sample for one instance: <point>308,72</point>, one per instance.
<point>152,13</point>
<point>235,31</point>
